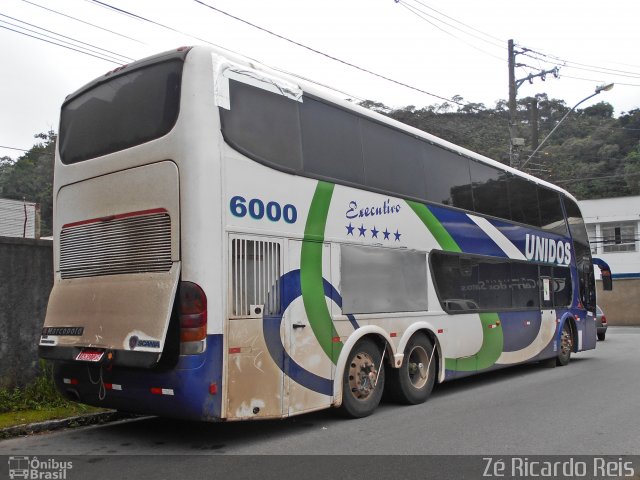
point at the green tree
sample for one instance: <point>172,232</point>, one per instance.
<point>30,178</point>
<point>601,109</point>
<point>6,164</point>
<point>632,172</point>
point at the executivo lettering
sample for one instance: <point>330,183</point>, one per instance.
<point>541,249</point>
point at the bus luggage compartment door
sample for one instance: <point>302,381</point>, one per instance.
<point>117,262</point>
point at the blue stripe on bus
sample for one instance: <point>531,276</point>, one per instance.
<point>189,380</point>
<point>291,290</point>
<point>469,236</point>
<point>516,333</point>
<point>517,234</point>
<point>271,326</point>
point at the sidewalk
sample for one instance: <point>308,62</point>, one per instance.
<point>77,421</point>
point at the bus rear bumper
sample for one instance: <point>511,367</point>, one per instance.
<point>191,390</point>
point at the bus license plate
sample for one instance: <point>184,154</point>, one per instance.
<point>90,355</point>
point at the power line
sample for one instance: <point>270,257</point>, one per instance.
<point>352,65</point>
<point>587,68</point>
<point>141,18</point>
<point>420,14</point>
<point>499,40</point>
<point>89,47</point>
<point>166,27</point>
<point>558,59</point>
<point>492,43</point>
<point>61,45</point>
<point>601,81</point>
<point>82,21</point>
<point>144,19</point>
<point>25,150</point>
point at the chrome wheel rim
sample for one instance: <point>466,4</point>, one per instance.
<point>417,366</point>
<point>362,376</point>
<point>566,342</point>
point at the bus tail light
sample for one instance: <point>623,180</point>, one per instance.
<point>193,334</point>
<point>192,310</point>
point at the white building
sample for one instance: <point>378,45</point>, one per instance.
<point>613,225</point>
<point>19,219</point>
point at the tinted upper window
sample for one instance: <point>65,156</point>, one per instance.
<point>331,143</point>
<point>393,160</point>
<point>490,194</point>
<point>523,197</point>
<point>122,112</point>
<point>325,141</point>
<point>551,216</point>
<point>263,125</point>
<point>447,177</point>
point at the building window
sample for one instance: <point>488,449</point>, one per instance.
<point>593,238</point>
<point>619,237</point>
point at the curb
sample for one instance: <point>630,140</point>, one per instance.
<point>71,422</point>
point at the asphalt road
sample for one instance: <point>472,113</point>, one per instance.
<point>589,407</point>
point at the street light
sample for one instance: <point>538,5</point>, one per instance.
<point>601,88</point>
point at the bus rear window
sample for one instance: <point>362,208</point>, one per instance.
<point>120,113</point>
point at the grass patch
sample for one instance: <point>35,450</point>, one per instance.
<point>11,419</point>
<point>38,401</point>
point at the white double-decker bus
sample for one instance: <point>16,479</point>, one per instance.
<point>234,243</point>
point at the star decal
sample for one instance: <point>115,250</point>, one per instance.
<point>386,234</point>
<point>350,229</point>
<point>397,235</point>
<point>374,232</point>
<point>362,230</point>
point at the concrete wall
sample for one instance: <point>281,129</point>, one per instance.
<point>26,278</point>
<point>621,306</point>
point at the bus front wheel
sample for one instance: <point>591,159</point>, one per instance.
<point>413,381</point>
<point>566,345</point>
<point>363,380</point>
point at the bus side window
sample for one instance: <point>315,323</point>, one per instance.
<point>562,287</point>
<point>546,286</point>
<point>587,282</point>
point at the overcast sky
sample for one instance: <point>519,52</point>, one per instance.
<point>448,48</point>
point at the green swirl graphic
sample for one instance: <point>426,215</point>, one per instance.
<point>313,296</point>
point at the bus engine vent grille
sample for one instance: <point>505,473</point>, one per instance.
<point>130,244</point>
<point>255,275</point>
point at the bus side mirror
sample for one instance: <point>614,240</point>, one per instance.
<point>605,272</point>
<point>607,283</point>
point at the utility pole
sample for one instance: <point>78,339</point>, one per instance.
<point>513,150</point>
<point>516,142</point>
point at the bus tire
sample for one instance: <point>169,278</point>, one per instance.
<point>413,382</point>
<point>362,380</point>
<point>566,345</point>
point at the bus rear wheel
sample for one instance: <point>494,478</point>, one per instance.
<point>363,380</point>
<point>413,382</point>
